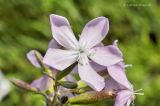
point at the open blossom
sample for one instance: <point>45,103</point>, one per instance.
<point>4,86</point>
<point>125,93</point>
<point>83,51</point>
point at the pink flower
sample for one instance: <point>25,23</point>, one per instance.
<point>84,51</point>
<point>43,83</point>
<point>120,84</point>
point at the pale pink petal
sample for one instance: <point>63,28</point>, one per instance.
<point>118,74</point>
<point>53,44</point>
<point>106,56</point>
<point>42,83</point>
<point>5,86</point>
<point>112,85</point>
<point>122,98</point>
<point>94,32</point>
<point>129,102</point>
<point>115,43</point>
<point>62,32</point>
<point>59,59</point>
<point>69,77</point>
<point>32,58</point>
<point>75,70</point>
<point>88,75</point>
<point>95,66</point>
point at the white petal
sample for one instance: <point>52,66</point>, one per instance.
<point>62,32</point>
<point>117,72</point>
<point>122,98</point>
<point>106,56</point>
<point>32,58</point>
<point>53,44</point>
<point>88,75</point>
<point>59,59</point>
<point>111,85</point>
<point>94,32</point>
<point>4,86</point>
<point>42,83</point>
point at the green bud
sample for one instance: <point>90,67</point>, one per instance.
<point>23,85</point>
<point>91,97</point>
<point>44,67</point>
<point>68,84</point>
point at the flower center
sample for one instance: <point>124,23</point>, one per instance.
<point>83,56</point>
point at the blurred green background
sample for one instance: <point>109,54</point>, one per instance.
<point>24,25</point>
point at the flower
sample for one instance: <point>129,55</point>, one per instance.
<point>84,52</point>
<point>43,83</point>
<point>120,84</point>
<point>116,72</point>
<point>4,86</point>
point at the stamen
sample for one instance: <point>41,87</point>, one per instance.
<point>128,65</point>
<point>139,93</point>
<point>115,42</point>
<point>138,90</point>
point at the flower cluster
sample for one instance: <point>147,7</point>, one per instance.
<point>100,68</point>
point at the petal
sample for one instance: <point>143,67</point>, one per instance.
<point>112,85</point>
<point>115,43</point>
<point>122,98</point>
<point>129,102</point>
<point>117,72</point>
<point>42,83</point>
<point>5,86</point>
<point>32,58</point>
<point>69,77</point>
<point>106,56</point>
<point>94,32</point>
<point>59,59</point>
<point>97,67</point>
<point>62,32</point>
<point>53,44</point>
<point>75,70</point>
<point>88,75</point>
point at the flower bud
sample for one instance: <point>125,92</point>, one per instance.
<point>91,97</point>
<point>44,67</point>
<point>23,85</point>
<point>68,84</point>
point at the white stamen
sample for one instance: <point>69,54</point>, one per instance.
<point>83,55</point>
<point>128,65</point>
<point>139,93</point>
<point>138,90</point>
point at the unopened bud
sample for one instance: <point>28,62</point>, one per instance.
<point>44,67</point>
<point>91,97</point>
<point>23,85</point>
<point>68,84</point>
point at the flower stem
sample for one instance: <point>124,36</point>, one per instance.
<point>54,102</point>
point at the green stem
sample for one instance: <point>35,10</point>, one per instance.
<point>54,102</point>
